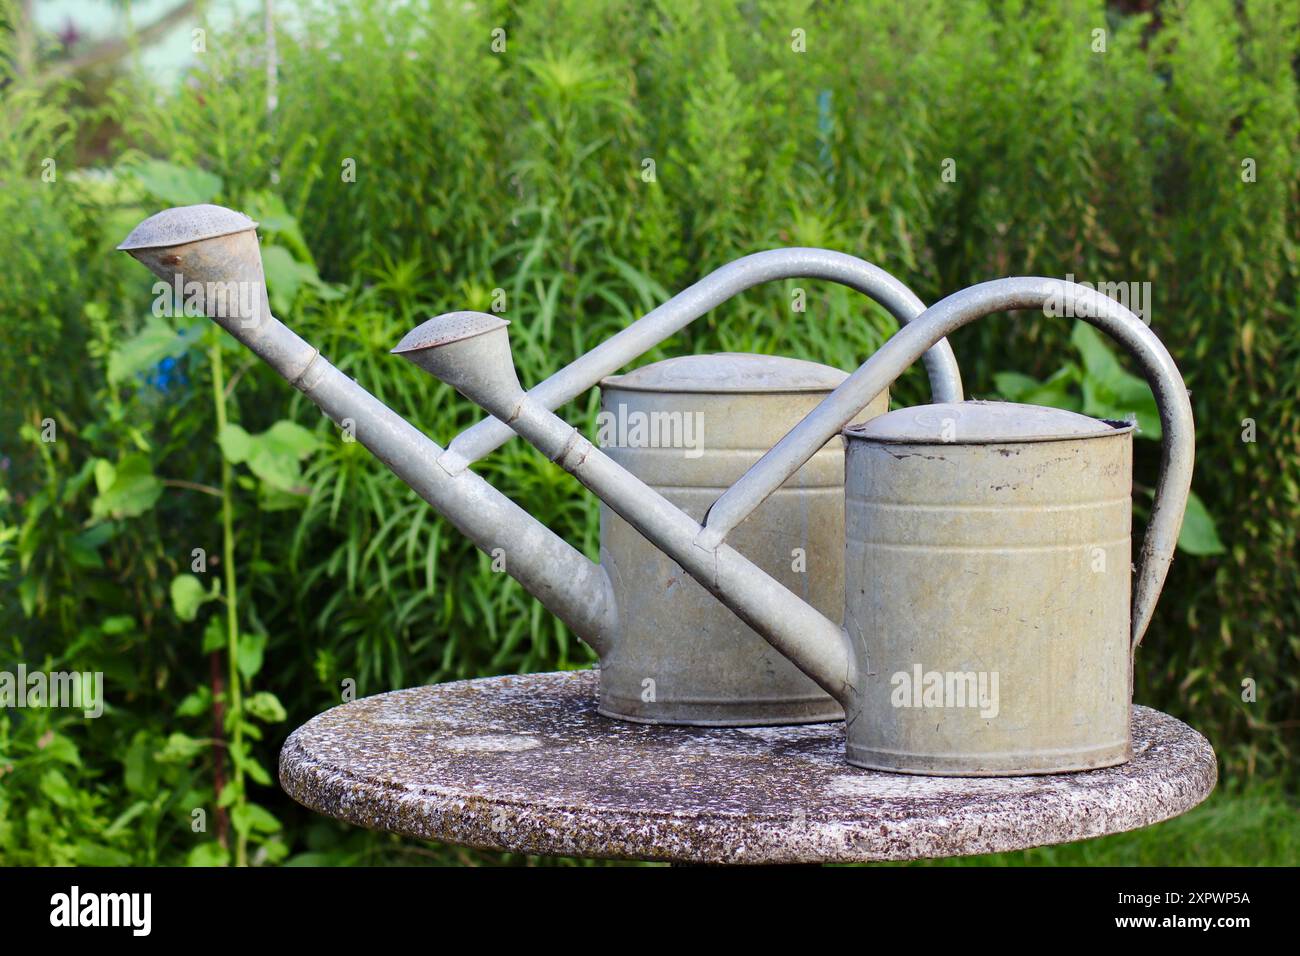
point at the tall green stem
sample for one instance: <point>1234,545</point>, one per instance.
<point>232,603</point>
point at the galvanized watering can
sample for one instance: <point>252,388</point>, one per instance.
<point>669,651</point>
<point>987,623</point>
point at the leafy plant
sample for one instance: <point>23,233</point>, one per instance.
<point>1100,387</point>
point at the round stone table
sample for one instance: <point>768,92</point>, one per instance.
<point>524,763</point>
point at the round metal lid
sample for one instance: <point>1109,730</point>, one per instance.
<point>975,423</point>
<point>729,372</point>
<point>184,224</point>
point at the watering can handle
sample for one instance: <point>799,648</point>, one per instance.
<point>840,407</point>
<point>691,303</point>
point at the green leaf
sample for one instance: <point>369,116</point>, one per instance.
<point>62,748</point>
<point>236,444</point>
<point>274,851</point>
<point>1108,390</point>
<point>105,475</point>
<point>251,648</point>
<point>265,706</point>
<point>274,219</point>
<point>1098,360</point>
<point>27,594</point>
<point>286,277</point>
<point>118,624</point>
<point>1014,385</point>
<point>256,772</point>
<point>1130,401</point>
<point>278,471</point>
<point>208,854</point>
<point>84,556</point>
<point>196,703</point>
<point>77,483</point>
<point>57,789</point>
<point>179,748</point>
<point>177,185</point>
<point>132,491</point>
<point>155,341</point>
<point>275,499</point>
<point>273,455</point>
<point>118,826</point>
<point>1199,535</point>
<point>96,854</point>
<point>276,454</point>
<point>187,596</point>
<point>1056,391</point>
<point>250,818</point>
<point>214,635</point>
<point>85,546</point>
<point>289,438</point>
<point>139,764</point>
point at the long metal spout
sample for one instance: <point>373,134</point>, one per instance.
<point>214,252</point>
<point>471,352</point>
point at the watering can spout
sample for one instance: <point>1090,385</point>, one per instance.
<point>471,352</point>
<point>212,253</point>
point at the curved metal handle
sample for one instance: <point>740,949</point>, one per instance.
<point>941,319</point>
<point>691,303</point>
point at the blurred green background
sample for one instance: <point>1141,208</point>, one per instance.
<point>1162,149</point>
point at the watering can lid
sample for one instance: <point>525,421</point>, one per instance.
<point>185,224</point>
<point>729,372</point>
<point>975,423</point>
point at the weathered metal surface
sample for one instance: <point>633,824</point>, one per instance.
<point>186,224</point>
<point>990,604</point>
<point>688,427</point>
<point>829,654</point>
<point>468,325</point>
<point>1177,443</point>
<point>563,579</point>
<point>472,353</point>
<point>526,764</point>
<point>814,643</point>
<point>209,244</point>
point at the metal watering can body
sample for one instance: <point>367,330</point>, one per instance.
<point>990,553</point>
<point>689,427</point>
<point>1075,688</point>
<point>669,654</point>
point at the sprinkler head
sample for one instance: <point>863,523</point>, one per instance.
<point>470,351</point>
<point>206,251</point>
<point>182,225</point>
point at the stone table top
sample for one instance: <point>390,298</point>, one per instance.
<point>524,763</point>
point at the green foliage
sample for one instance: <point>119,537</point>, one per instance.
<point>1100,387</point>
<point>1258,827</point>
<point>526,171</point>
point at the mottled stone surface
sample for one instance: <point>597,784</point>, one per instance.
<point>526,764</point>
